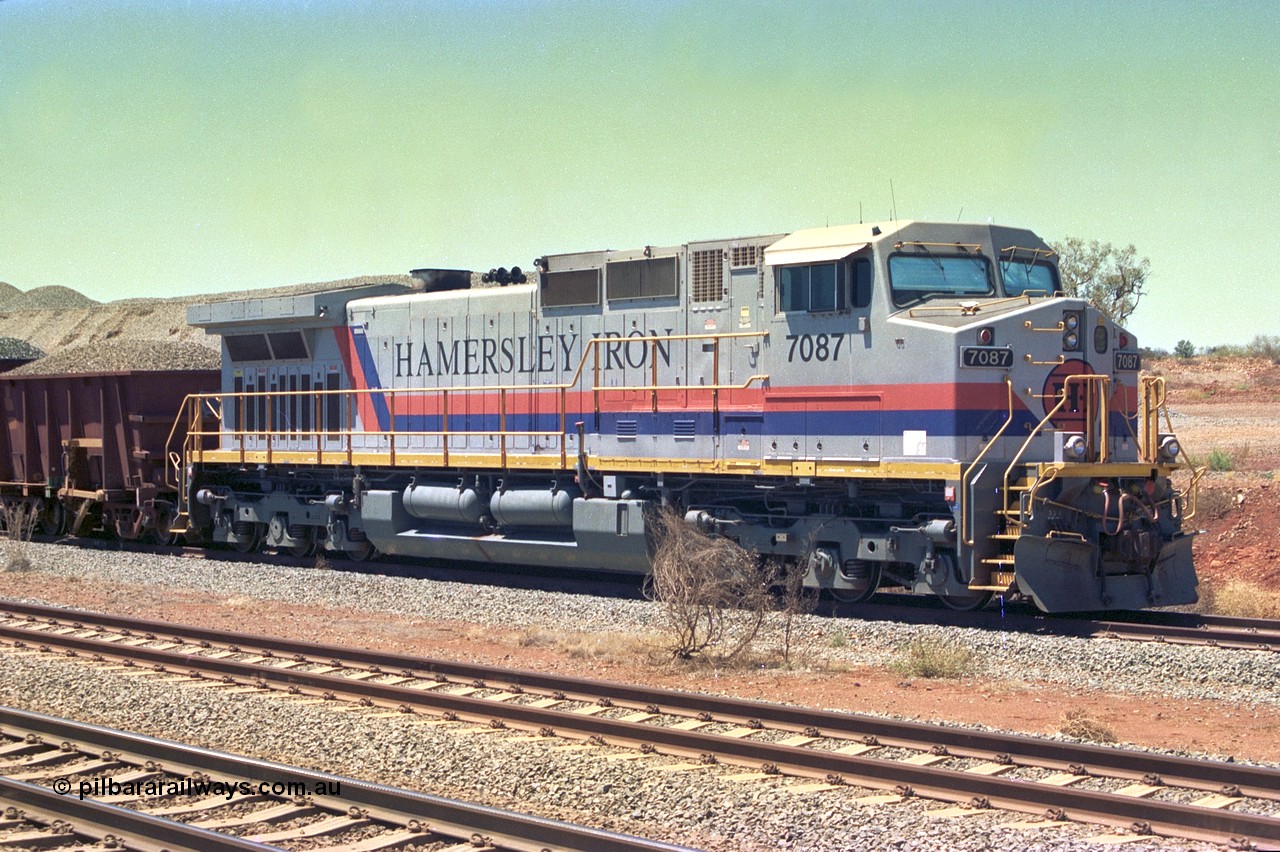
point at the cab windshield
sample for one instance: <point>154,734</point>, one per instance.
<point>1029,278</point>
<point>917,277</point>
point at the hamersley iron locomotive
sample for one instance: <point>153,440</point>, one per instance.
<point>908,404</point>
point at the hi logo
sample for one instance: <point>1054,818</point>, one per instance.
<point>1071,416</point>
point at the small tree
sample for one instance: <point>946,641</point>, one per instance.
<point>1112,279</point>
<point>1185,349</point>
<point>714,595</point>
<point>797,599</point>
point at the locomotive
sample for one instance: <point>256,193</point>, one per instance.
<point>903,404</point>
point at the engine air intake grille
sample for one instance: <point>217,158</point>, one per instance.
<point>684,429</point>
<point>626,428</point>
<point>708,275</point>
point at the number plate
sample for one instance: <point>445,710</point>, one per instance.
<point>1130,361</point>
<point>986,356</point>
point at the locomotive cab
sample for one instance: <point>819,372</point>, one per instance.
<point>996,436</point>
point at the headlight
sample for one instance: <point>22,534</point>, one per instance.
<point>1169,447</point>
<point>1071,321</point>
<point>1074,448</point>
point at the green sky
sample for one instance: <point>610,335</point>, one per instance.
<point>164,148</point>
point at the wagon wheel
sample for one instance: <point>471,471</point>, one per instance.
<point>53,520</point>
<point>165,515</point>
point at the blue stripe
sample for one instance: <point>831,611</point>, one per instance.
<point>360,342</point>
<point>942,423</point>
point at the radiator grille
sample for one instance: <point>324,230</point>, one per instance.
<point>744,256</point>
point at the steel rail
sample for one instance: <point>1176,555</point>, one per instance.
<point>946,784</point>
<point>1260,782</point>
<point>1252,634</point>
<point>439,815</point>
<point>127,828</point>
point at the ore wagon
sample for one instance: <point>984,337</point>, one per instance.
<point>86,451</point>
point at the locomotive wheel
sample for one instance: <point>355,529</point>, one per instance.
<point>966,603</point>
<point>865,577</point>
<point>250,544</point>
<point>306,546</point>
<point>362,554</point>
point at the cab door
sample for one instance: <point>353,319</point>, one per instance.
<point>810,358</point>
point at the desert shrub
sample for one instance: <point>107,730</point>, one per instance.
<point>933,658</point>
<point>713,594</point>
<point>19,519</point>
<point>1213,503</point>
<point>1266,347</point>
<point>1238,598</point>
<point>1078,724</point>
<point>796,600</point>
<point>1262,346</point>
<point>1220,460</point>
<point>1185,349</point>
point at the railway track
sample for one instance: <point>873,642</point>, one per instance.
<point>1207,800</point>
<point>1180,628</point>
<point>1253,634</point>
<point>64,784</point>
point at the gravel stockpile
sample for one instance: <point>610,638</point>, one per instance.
<point>125,355</point>
<point>55,320</point>
<point>13,349</point>
<point>53,331</point>
<point>46,298</point>
<point>1145,669</point>
<point>701,809</point>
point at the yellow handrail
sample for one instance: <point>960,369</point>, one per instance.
<point>1101,382</point>
<point>194,406</point>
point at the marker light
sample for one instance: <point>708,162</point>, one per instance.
<point>986,336</point>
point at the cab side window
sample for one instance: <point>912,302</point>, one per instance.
<point>816,288</point>
<point>823,287</point>
<point>861,278</point>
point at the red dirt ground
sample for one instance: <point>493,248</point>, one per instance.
<point>1232,405</point>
